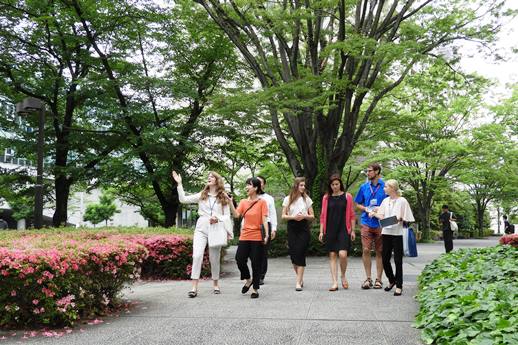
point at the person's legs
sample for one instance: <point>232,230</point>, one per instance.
<point>378,245</point>
<point>448,240</point>
<point>199,243</point>
<point>264,265</point>
<point>256,256</point>
<point>342,254</point>
<point>214,258</point>
<point>300,276</point>
<point>387,254</point>
<point>242,254</point>
<point>366,247</point>
<point>397,242</point>
<point>332,267</point>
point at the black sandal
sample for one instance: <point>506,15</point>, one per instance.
<point>389,287</point>
<point>192,294</point>
<point>378,284</point>
<point>254,295</point>
<point>245,288</point>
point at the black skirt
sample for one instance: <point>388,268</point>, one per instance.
<point>298,241</point>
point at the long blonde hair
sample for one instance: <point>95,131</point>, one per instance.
<point>294,191</point>
<point>220,189</point>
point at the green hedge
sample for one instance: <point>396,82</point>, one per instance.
<point>470,296</point>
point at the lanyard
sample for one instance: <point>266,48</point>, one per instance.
<point>373,193</point>
<point>213,204</point>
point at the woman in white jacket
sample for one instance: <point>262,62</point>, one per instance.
<point>392,235</point>
<point>213,211</point>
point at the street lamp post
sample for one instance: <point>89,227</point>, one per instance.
<point>27,106</point>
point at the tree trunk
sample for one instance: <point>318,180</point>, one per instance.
<point>170,211</point>
<point>480,210</point>
<point>62,189</point>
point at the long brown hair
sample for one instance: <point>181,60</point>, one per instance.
<point>333,178</point>
<point>220,189</point>
<point>294,191</point>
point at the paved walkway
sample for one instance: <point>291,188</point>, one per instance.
<point>164,314</point>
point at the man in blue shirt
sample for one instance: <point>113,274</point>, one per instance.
<point>369,196</point>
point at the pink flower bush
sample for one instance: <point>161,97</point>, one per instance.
<point>53,279</point>
<point>169,257</point>
<point>511,240</point>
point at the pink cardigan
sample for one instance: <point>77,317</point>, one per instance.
<point>349,212</point>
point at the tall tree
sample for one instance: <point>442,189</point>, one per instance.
<point>325,65</point>
<point>43,55</point>
<point>490,172</point>
<point>436,108</point>
<point>162,65</point>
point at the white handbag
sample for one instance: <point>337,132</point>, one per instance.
<point>217,235</point>
<point>453,224</point>
<point>219,232</point>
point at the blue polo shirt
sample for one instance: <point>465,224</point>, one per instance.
<point>365,194</point>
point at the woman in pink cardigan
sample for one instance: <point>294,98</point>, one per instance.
<point>337,221</point>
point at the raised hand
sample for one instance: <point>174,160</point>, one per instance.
<point>177,178</point>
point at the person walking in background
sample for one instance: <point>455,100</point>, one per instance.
<point>213,210</point>
<point>298,211</point>
<point>272,226</point>
<point>447,233</point>
<point>508,227</point>
<point>392,235</point>
<point>370,195</point>
<point>254,211</point>
<point>337,221</point>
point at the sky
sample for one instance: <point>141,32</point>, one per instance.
<point>502,71</point>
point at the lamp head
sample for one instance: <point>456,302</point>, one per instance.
<point>28,105</point>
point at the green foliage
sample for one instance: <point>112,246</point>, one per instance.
<point>103,211</point>
<point>470,296</point>
<point>436,108</point>
<point>324,66</point>
<point>17,189</point>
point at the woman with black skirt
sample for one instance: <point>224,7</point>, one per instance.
<point>337,221</point>
<point>297,210</point>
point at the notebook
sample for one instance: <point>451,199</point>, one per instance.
<point>388,221</point>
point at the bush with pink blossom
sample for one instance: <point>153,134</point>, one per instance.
<point>54,281</point>
<point>510,239</point>
<point>55,277</point>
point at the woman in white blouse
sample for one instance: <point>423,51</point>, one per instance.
<point>213,210</point>
<point>297,210</point>
<point>392,235</point>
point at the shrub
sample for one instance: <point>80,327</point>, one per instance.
<point>54,277</point>
<point>470,296</point>
<point>169,257</point>
<point>511,240</point>
<point>55,281</point>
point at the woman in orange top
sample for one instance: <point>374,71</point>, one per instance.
<point>251,240</point>
<point>337,221</point>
